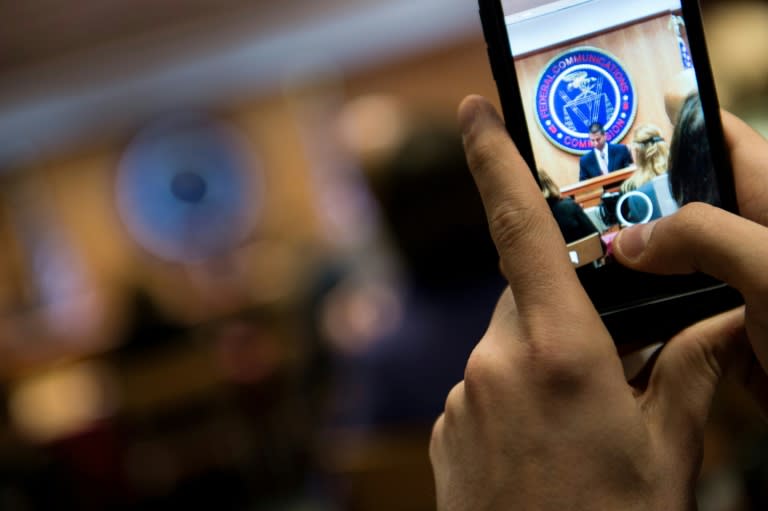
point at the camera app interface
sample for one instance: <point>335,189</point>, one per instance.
<point>614,116</point>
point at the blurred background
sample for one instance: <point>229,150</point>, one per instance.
<point>228,276</point>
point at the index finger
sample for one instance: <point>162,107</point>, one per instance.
<point>533,255</point>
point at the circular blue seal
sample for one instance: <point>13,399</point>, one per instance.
<point>578,88</point>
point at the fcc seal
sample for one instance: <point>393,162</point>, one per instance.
<point>578,88</point>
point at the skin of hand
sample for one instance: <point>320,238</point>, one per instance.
<point>712,241</point>
<point>544,418</point>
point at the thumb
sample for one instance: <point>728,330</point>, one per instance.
<point>687,372</point>
<point>712,241</point>
<point>700,238</point>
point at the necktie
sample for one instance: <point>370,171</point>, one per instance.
<point>604,160</point>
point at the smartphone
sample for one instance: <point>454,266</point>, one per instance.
<point>613,106</point>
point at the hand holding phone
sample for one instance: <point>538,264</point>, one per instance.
<point>720,244</point>
<point>545,418</point>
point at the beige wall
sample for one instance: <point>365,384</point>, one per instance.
<point>648,51</point>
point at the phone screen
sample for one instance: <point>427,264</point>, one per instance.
<point>613,113</point>
<point>613,105</point>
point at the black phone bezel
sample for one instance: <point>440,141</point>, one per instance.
<point>620,295</point>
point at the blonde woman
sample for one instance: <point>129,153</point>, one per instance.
<point>651,153</point>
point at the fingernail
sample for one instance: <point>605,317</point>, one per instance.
<point>632,242</point>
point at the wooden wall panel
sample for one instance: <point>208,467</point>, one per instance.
<point>647,50</point>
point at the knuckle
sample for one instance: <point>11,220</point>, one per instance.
<point>512,223</point>
<point>683,238</point>
<point>481,375</point>
<point>692,215</point>
<point>678,227</point>
<point>454,403</point>
<point>695,209</point>
<point>557,371</point>
<point>707,359</point>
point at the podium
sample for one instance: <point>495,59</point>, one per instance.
<point>587,193</point>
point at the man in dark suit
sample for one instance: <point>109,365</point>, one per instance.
<point>604,157</point>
